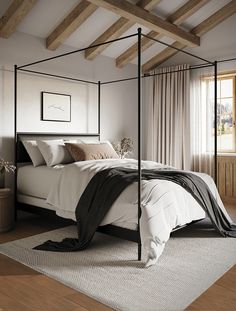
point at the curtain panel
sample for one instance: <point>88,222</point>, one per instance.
<point>167,116</point>
<point>202,121</point>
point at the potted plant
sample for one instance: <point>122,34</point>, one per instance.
<point>5,166</point>
<point>124,147</point>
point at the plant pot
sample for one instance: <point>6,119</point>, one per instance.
<point>2,179</point>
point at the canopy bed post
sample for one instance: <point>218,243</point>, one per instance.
<point>99,108</point>
<point>130,234</point>
<point>215,117</point>
<point>139,138</point>
<point>15,137</point>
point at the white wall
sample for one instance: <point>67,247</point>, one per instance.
<point>84,103</point>
<point>118,101</point>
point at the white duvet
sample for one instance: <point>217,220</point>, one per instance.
<point>165,205</point>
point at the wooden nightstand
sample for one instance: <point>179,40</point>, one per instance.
<point>6,210</point>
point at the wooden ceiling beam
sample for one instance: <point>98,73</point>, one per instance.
<point>151,21</point>
<point>215,19</point>
<point>148,4</point>
<point>116,30</point>
<point>72,21</point>
<point>176,18</point>
<point>209,23</point>
<point>14,15</point>
<point>185,11</point>
<point>162,56</point>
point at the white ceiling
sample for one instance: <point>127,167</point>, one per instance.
<point>47,14</point>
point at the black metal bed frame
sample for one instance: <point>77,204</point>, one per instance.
<point>110,229</point>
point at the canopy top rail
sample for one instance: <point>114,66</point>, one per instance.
<point>57,76</point>
<point>227,60</point>
<point>22,67</point>
<point>177,49</point>
<point>147,75</point>
<point>77,51</point>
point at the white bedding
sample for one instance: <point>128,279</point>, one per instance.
<point>165,205</point>
<point>37,181</point>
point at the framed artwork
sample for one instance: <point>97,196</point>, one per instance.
<point>56,107</point>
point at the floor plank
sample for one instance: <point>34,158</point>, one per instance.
<point>10,267</point>
<point>88,302</point>
<point>10,304</point>
<point>22,288</point>
<point>217,298</point>
<point>33,294</point>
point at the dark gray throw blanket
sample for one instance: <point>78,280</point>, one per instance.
<point>105,187</point>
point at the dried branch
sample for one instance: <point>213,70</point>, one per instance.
<point>6,166</point>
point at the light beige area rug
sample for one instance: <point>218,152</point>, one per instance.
<point>194,258</point>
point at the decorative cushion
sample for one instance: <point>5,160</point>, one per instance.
<point>34,152</point>
<point>83,152</point>
<point>54,152</point>
<point>73,141</point>
<point>87,141</point>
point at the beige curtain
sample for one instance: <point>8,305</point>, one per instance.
<point>167,101</point>
<point>202,120</point>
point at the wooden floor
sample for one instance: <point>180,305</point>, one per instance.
<point>22,288</point>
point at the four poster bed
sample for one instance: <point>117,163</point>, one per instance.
<point>34,188</point>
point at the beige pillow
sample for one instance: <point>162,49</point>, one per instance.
<point>83,152</point>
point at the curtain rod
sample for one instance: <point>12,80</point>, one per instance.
<point>179,70</point>
<point>158,74</point>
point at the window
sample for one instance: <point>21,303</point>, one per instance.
<point>226,113</point>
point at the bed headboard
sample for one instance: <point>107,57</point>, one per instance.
<point>22,155</point>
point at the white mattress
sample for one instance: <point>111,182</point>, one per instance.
<point>37,181</point>
<point>33,201</point>
<point>34,185</point>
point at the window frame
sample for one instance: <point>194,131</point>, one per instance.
<point>221,76</point>
<point>225,76</point>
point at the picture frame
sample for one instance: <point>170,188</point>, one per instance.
<point>56,107</point>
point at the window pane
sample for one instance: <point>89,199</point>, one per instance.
<point>218,89</point>
<point>226,88</point>
<point>209,87</point>
<point>225,142</point>
<point>227,110</point>
<point>225,124</point>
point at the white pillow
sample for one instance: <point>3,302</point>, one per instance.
<point>34,152</point>
<point>54,152</point>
